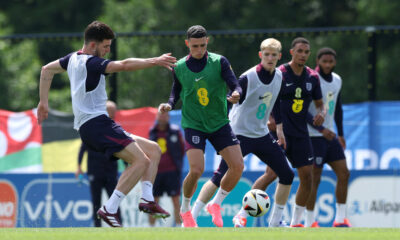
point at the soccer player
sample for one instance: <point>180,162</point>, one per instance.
<point>86,70</point>
<point>300,85</point>
<point>102,173</point>
<point>168,179</point>
<point>261,85</point>
<point>327,147</point>
<point>200,80</point>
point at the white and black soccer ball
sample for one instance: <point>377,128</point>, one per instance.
<point>256,202</point>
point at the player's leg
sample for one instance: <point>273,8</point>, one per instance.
<point>300,154</point>
<point>206,193</point>
<point>110,184</point>
<point>310,215</point>
<point>209,188</point>
<point>129,178</point>
<point>337,160</point>
<point>196,169</point>
<point>227,145</point>
<point>176,203</point>
<point>265,180</point>
<point>233,157</point>
<point>158,190</point>
<point>271,153</point>
<point>96,184</point>
<point>342,174</point>
<point>104,135</point>
<point>173,188</point>
<point>195,146</point>
<point>153,152</point>
<point>320,151</point>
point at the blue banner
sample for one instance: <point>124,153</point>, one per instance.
<point>371,130</point>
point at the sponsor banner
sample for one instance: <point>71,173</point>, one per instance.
<point>59,200</point>
<point>374,201</point>
<point>50,200</point>
<point>8,204</point>
<point>19,133</point>
<point>371,130</point>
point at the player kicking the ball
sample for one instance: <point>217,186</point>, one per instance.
<point>86,71</point>
<point>261,86</point>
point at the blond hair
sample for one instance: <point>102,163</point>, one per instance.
<point>271,43</point>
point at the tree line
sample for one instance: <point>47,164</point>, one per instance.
<point>21,61</point>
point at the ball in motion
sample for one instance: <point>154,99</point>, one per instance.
<point>256,202</point>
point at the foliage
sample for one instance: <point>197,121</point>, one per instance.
<point>20,60</point>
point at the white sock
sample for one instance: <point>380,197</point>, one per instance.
<point>277,212</point>
<point>242,213</point>
<point>185,204</point>
<point>297,214</point>
<point>147,191</point>
<point>219,197</point>
<point>198,206</point>
<point>310,218</point>
<point>114,201</point>
<point>340,212</point>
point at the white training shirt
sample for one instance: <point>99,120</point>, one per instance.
<point>330,92</point>
<point>250,118</point>
<point>86,104</point>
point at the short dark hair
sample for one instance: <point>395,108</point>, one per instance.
<point>98,31</point>
<point>196,31</point>
<point>326,51</point>
<point>299,40</point>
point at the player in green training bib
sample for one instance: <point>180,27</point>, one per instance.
<point>201,80</point>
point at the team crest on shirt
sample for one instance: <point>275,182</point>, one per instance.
<point>308,86</point>
<point>173,138</point>
<point>196,139</point>
<point>318,160</point>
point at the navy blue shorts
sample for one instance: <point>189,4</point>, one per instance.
<point>220,139</point>
<point>268,151</point>
<point>102,134</point>
<point>299,151</point>
<point>169,182</point>
<point>326,151</point>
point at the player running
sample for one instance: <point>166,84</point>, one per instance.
<point>327,147</point>
<point>200,80</point>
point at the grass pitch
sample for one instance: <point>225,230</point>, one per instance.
<point>200,233</point>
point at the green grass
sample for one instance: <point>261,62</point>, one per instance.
<point>200,233</point>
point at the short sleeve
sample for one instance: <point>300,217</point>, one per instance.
<point>97,65</point>
<point>64,61</point>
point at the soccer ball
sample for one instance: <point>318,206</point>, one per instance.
<point>256,203</point>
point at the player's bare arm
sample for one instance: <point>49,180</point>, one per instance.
<point>280,135</point>
<point>234,97</point>
<point>342,142</point>
<point>46,77</point>
<point>132,64</point>
<point>319,118</point>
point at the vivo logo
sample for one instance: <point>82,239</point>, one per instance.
<point>56,202</point>
<point>81,210</point>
